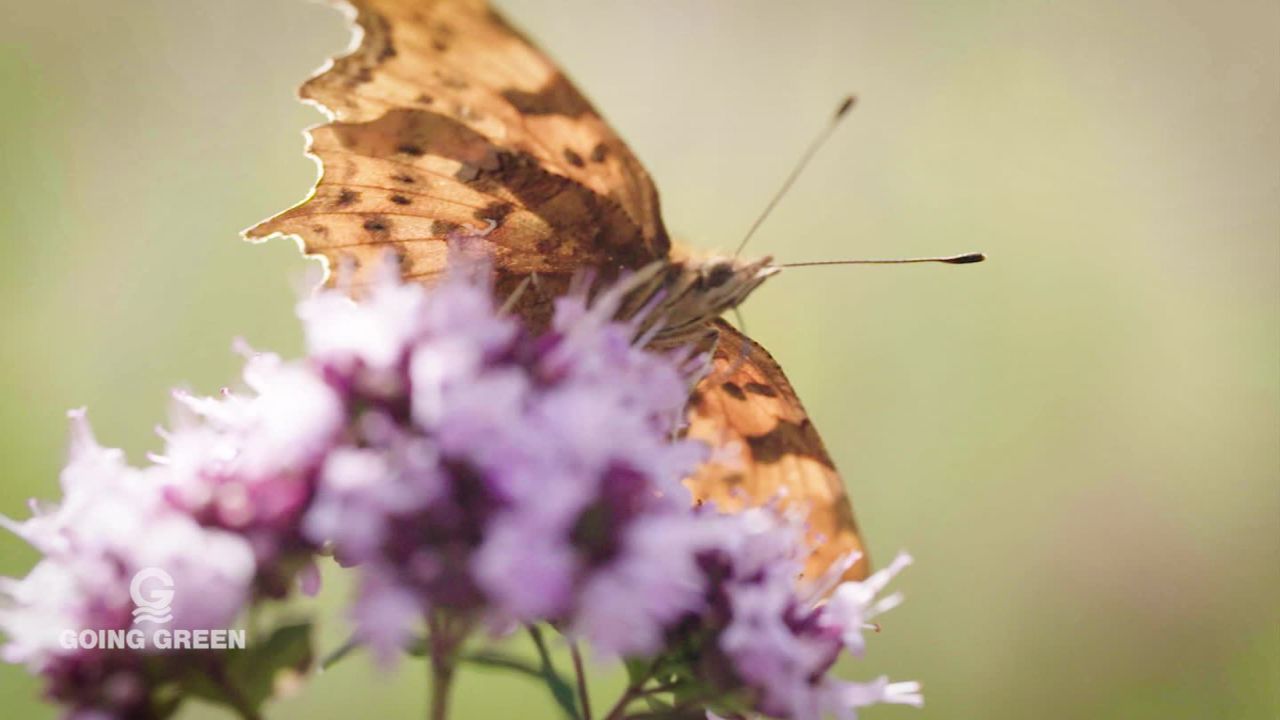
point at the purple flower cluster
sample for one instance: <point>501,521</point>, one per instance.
<point>113,521</point>
<point>466,467</point>
<point>490,471</point>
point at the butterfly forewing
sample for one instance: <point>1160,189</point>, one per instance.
<point>484,125</point>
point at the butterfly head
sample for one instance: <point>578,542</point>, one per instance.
<point>678,297</point>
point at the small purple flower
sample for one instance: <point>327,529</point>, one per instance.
<point>780,642</point>
<point>247,461</point>
<point>655,581</point>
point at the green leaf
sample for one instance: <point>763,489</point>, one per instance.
<point>418,647</point>
<point>166,698</point>
<point>198,684</point>
<point>559,687</point>
<point>488,658</point>
<point>728,705</point>
<point>210,679</point>
<point>658,705</point>
<point>686,691</point>
<point>638,670</point>
<point>255,670</point>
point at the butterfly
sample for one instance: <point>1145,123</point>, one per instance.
<point>447,121</point>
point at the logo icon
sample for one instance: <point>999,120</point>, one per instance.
<point>152,592</point>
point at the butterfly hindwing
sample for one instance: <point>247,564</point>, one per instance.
<point>768,449</point>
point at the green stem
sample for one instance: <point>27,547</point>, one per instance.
<point>634,691</point>
<point>441,645</point>
<point>441,682</point>
<point>619,709</point>
<point>339,653</point>
<point>578,670</point>
<point>656,689</point>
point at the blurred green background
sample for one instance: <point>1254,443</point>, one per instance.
<point>1079,440</point>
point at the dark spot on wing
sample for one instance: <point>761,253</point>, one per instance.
<point>788,438</point>
<point>376,224</point>
<point>759,389</point>
<point>424,99</point>
<point>557,97</point>
<point>733,390</point>
<point>441,36</point>
<point>450,80</point>
<point>410,149</point>
<point>495,211</point>
<point>347,196</point>
<point>380,30</point>
<point>401,199</point>
<point>573,158</point>
<point>406,179</point>
<point>442,228</point>
<point>599,152</point>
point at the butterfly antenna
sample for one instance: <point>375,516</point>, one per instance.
<point>845,106</point>
<point>515,295</point>
<point>965,259</point>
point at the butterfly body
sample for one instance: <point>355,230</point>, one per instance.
<point>448,123</point>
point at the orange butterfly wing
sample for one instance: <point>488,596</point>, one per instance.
<point>448,121</point>
<point>748,409</point>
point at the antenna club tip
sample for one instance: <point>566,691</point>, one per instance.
<point>966,259</point>
<point>846,105</point>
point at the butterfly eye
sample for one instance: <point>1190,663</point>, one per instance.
<point>719,274</point>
